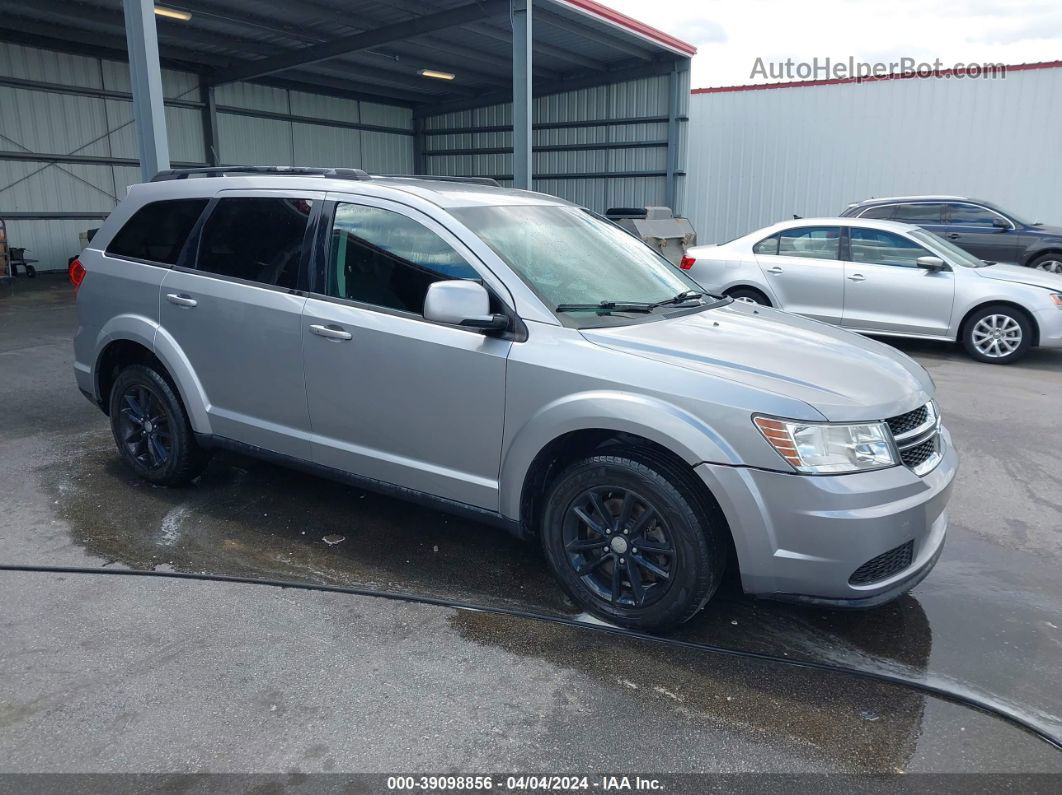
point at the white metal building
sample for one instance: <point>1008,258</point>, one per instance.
<point>760,154</point>
<point>601,98</point>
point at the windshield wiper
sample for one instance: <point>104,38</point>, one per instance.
<point>607,307</point>
<point>681,298</point>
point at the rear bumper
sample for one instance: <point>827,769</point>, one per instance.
<point>801,538</point>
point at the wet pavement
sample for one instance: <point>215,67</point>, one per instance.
<point>988,620</point>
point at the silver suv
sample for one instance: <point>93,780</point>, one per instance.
<point>518,359</point>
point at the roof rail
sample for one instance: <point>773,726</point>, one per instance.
<point>473,180</point>
<point>291,171</point>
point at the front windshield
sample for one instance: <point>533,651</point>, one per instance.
<point>567,256</point>
<point>951,252</point>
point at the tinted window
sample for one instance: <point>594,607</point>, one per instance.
<point>918,213</point>
<point>260,240</point>
<point>157,231</point>
<point>816,242</point>
<point>878,247</point>
<point>769,245</point>
<point>885,211</point>
<point>970,215</point>
<point>383,258</point>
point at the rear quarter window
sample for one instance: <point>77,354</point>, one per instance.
<point>157,232</point>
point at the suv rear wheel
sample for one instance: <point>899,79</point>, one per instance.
<point>151,428</point>
<point>997,335</point>
<point>630,541</point>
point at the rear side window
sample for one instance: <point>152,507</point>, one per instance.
<point>157,231</point>
<point>257,239</point>
<point>918,213</point>
<point>769,245</point>
<point>383,258</point>
<point>814,242</point>
<point>885,211</point>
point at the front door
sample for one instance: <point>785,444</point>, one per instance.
<point>392,396</point>
<point>885,290</point>
<point>237,316</point>
<point>985,234</point>
<point>804,271</point>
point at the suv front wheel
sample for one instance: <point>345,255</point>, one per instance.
<point>630,542</point>
<point>151,428</point>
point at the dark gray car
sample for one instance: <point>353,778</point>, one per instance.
<point>985,230</point>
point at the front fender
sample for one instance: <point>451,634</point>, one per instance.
<point>668,425</point>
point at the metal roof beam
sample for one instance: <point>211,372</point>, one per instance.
<point>461,15</point>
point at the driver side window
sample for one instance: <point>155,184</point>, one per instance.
<point>384,258</point>
<point>878,247</point>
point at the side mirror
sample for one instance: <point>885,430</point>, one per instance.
<point>931,263</point>
<point>1000,225</point>
<point>460,302</point>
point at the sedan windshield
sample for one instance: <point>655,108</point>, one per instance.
<point>578,263</point>
<point>951,252</point>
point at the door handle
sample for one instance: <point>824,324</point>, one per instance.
<point>330,332</point>
<point>775,269</point>
<point>953,235</point>
<point>181,299</point>
<point>857,277</point>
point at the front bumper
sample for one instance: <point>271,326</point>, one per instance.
<point>1049,324</point>
<point>801,537</point>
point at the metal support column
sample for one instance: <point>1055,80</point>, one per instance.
<point>145,75</point>
<point>521,14</point>
<point>211,143</point>
<point>674,109</point>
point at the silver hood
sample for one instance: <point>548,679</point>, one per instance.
<point>840,374</point>
<point>1016,273</point>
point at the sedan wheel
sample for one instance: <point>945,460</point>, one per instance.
<point>997,335</point>
<point>1050,265</point>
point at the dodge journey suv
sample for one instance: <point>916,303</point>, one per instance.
<point>515,358</point>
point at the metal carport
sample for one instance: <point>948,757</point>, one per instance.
<point>599,112</point>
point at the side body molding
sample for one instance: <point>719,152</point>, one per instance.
<point>666,424</point>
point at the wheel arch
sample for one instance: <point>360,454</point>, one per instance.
<point>754,288</point>
<point>961,333</point>
<point>1030,255</point>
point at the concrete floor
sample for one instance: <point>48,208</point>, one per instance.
<point>117,674</point>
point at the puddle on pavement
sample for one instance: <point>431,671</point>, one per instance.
<point>248,518</point>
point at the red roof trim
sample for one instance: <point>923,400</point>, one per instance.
<point>633,25</point>
<point>1021,67</point>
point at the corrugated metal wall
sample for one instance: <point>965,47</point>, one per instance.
<point>577,154</point>
<point>757,157</point>
<point>256,124</point>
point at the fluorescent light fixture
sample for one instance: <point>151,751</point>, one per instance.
<point>435,74</point>
<point>173,13</point>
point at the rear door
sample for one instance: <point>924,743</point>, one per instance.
<point>984,233</point>
<point>803,269</point>
<point>886,291</point>
<point>235,310</point>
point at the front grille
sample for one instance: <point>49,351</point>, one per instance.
<point>884,565</point>
<point>917,437</point>
<point>908,422</point>
<point>919,454</point>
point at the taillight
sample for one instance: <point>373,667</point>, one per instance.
<point>76,271</point>
<point>687,263</point>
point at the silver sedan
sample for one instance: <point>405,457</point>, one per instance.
<point>888,278</point>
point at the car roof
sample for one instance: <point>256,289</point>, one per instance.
<point>447,193</point>
<point>929,197</point>
<point>872,223</point>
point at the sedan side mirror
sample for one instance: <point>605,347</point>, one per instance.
<point>460,302</point>
<point>931,263</point>
<point>1000,225</point>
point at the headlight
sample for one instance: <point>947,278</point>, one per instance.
<point>824,448</point>
<point>1056,299</point>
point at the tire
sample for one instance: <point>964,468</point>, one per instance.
<point>1050,262</point>
<point>749,294</point>
<point>997,334</point>
<point>663,513</point>
<point>168,455</point>
<point>31,272</point>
